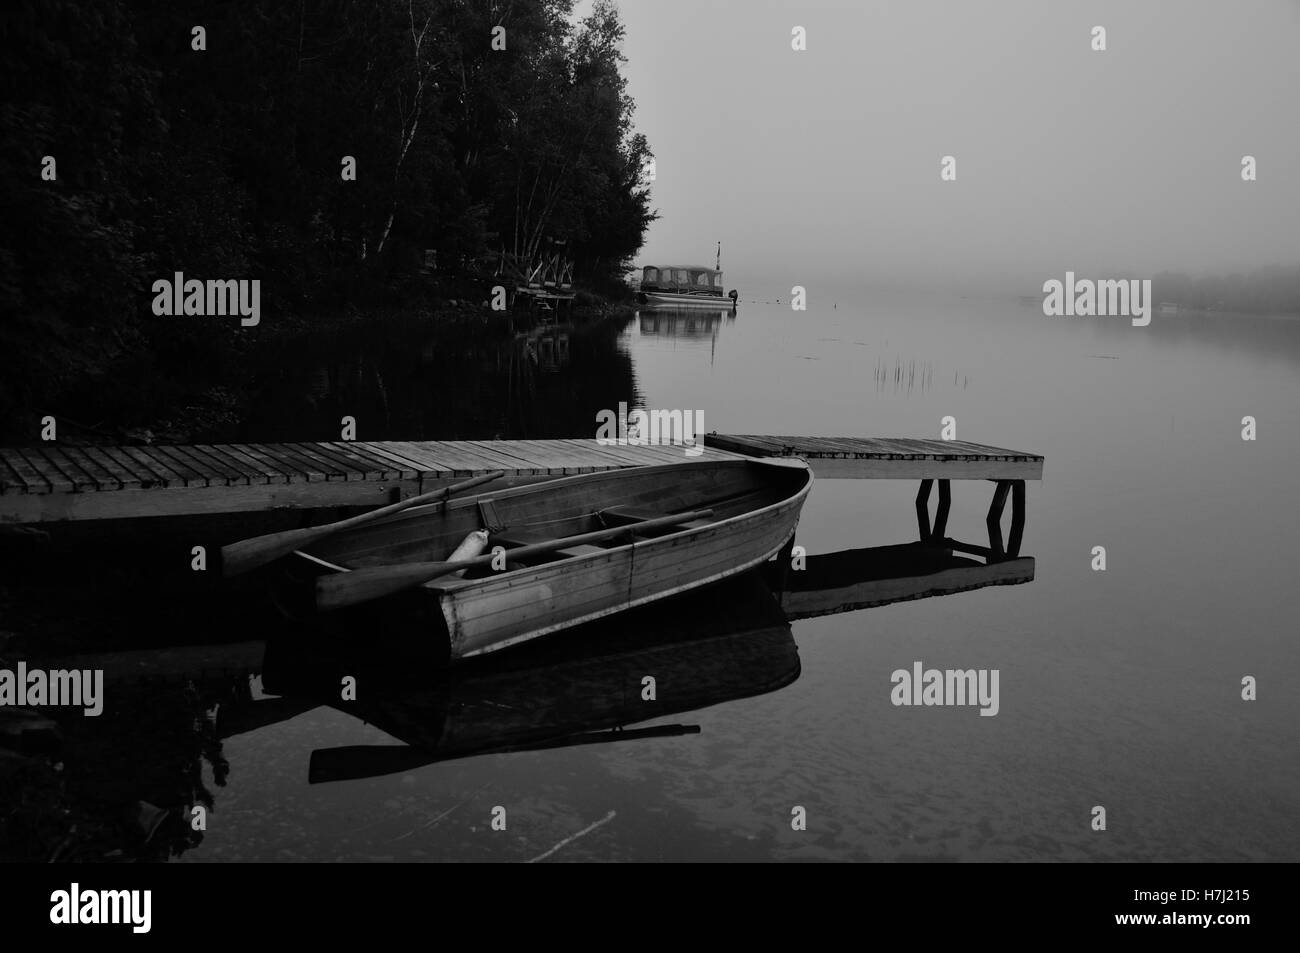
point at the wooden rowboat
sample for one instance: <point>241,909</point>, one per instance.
<point>644,553</point>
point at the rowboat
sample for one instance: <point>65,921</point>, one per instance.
<point>563,552</point>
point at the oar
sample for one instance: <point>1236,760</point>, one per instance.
<point>248,554</point>
<point>361,585</point>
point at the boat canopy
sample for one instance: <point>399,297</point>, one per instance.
<point>681,276</point>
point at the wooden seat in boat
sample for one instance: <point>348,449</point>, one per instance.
<point>631,515</point>
<point>518,538</point>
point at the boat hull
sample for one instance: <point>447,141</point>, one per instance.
<point>667,299</point>
<point>502,609</point>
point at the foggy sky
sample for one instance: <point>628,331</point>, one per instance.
<point>822,167</point>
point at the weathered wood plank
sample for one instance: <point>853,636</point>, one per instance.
<point>412,467</point>
<point>423,456</point>
<point>369,467</point>
<point>167,476</point>
<point>109,474</point>
<point>333,469</point>
<point>234,470</point>
<point>276,471</point>
<point>617,454</point>
<point>304,466</point>
<point>536,452</point>
<point>56,462</point>
<point>255,472</point>
<point>936,448</point>
<point>869,458</point>
<point>198,461</point>
<point>10,481</point>
<point>143,476</point>
<point>31,479</point>
<point>497,459</point>
<point>461,462</point>
<point>179,461</point>
<point>558,456</point>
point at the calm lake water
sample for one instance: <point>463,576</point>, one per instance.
<point>1119,688</point>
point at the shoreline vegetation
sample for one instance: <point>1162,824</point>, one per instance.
<point>370,164</point>
<point>1272,291</point>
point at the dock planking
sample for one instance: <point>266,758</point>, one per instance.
<point>889,458</point>
<point>52,483</point>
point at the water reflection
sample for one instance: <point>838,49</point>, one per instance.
<point>683,327</point>
<point>684,323</point>
<point>414,380</point>
<point>123,786</point>
<point>585,688</point>
<point>132,780</point>
<point>702,649</point>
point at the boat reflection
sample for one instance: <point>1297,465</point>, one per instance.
<point>702,649</point>
<point>584,688</point>
<point>682,323</point>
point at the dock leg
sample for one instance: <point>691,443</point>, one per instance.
<point>941,514</point>
<point>1017,518</point>
<point>923,509</point>
<point>994,520</point>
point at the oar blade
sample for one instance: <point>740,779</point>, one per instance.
<point>337,590</point>
<point>249,554</point>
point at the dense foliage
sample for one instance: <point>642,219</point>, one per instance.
<point>227,162</point>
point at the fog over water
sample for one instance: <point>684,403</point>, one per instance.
<point>821,167</point>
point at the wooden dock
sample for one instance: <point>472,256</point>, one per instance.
<point>54,482</point>
<point>889,458</point>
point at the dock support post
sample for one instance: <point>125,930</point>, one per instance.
<point>940,528</point>
<point>1017,518</point>
<point>994,520</point>
<point>923,510</point>
<point>941,514</point>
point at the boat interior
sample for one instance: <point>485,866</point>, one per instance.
<point>570,506</point>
